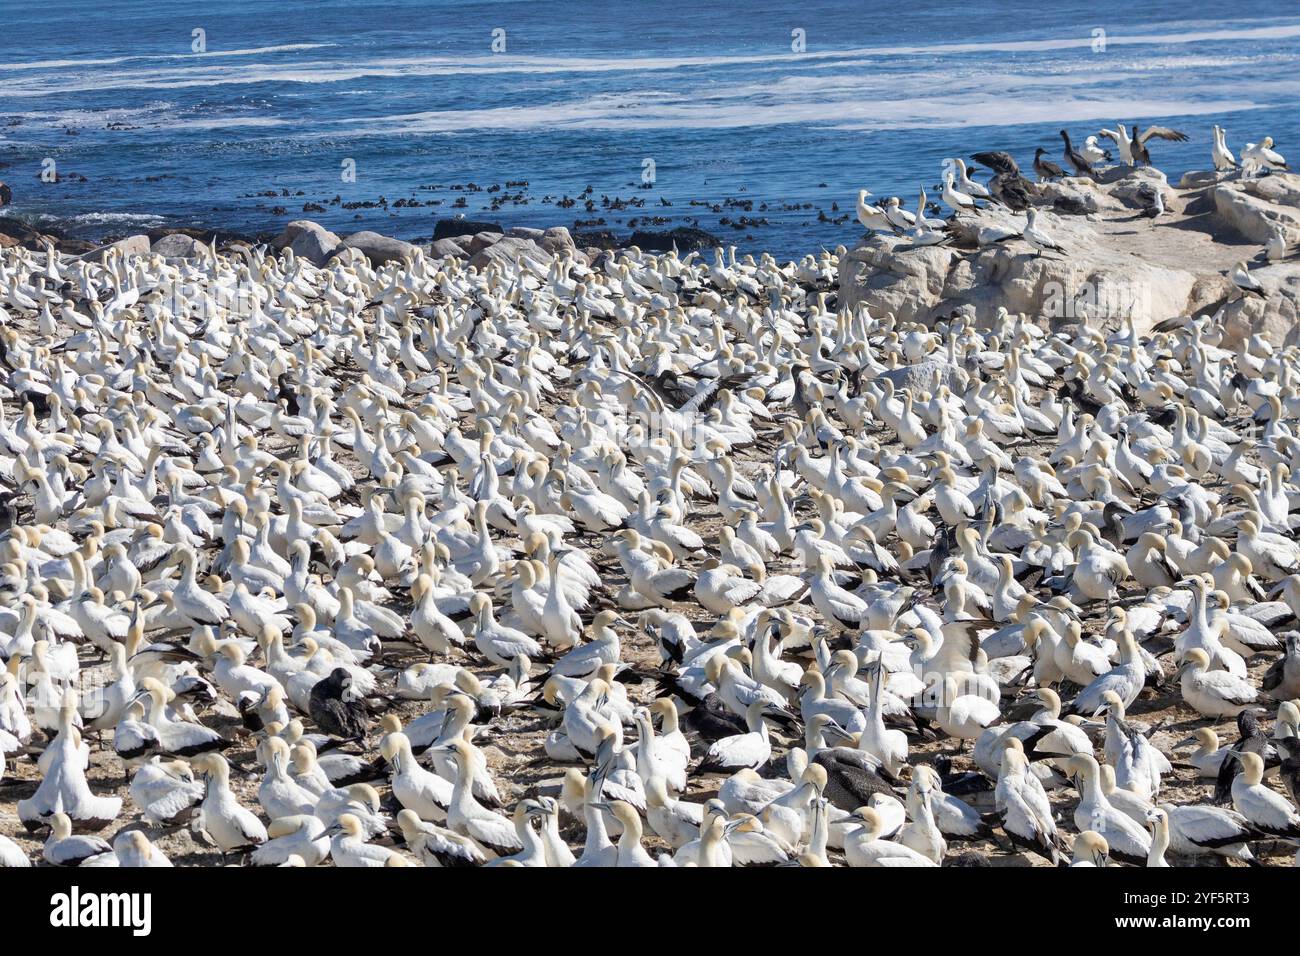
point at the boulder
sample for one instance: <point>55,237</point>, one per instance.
<point>509,250</point>
<point>1076,196</point>
<point>129,246</point>
<point>379,249</point>
<point>1280,188</point>
<point>1200,178</point>
<point>683,238</point>
<point>526,232</point>
<point>442,248</point>
<point>927,375</point>
<point>966,229</point>
<point>221,237</point>
<point>308,240</point>
<point>1105,175</point>
<point>1251,215</point>
<point>480,241</point>
<point>458,226</point>
<point>1125,190</point>
<point>178,246</point>
<point>557,240</point>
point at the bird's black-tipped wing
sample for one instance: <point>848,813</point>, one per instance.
<point>1162,132</point>
<point>1001,163</point>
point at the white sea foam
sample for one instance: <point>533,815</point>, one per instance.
<point>613,113</point>
<point>116,219</point>
<point>325,72</point>
<point>109,61</point>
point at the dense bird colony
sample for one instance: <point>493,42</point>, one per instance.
<point>652,560</point>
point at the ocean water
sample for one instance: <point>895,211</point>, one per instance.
<point>737,126</point>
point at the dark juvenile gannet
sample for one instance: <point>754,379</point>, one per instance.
<point>1077,161</point>
<point>1045,168</point>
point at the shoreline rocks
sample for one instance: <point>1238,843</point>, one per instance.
<point>683,238</point>
<point>1118,264</point>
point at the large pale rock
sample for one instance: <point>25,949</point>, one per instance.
<point>1124,191</point>
<point>308,240</point>
<point>1241,209</point>
<point>509,250</point>
<point>1200,178</point>
<point>379,249</point>
<point>1092,283</point>
<point>442,248</point>
<point>178,246</point>
<point>1116,264</point>
<point>129,246</point>
<point>1280,188</point>
<point>1076,194</point>
<point>527,232</point>
<point>480,241</point>
<point>557,240</point>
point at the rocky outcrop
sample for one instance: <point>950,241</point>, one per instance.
<point>1255,209</point>
<point>20,232</point>
<point>308,240</point>
<point>1116,264</point>
<point>1091,283</point>
<point>539,246</point>
<point>1200,178</point>
<point>379,249</point>
<point>527,232</point>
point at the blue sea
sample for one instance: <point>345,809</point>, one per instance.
<point>751,120</point>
